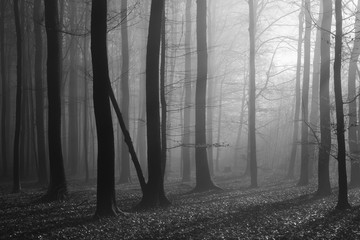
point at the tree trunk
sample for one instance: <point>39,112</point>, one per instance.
<point>125,163</point>
<point>340,126</point>
<point>314,113</point>
<point>154,194</point>
<point>353,139</point>
<point>186,170</point>
<point>106,204</point>
<point>57,188</point>
<point>294,148</point>
<point>4,96</point>
<point>39,97</point>
<point>210,89</point>
<point>304,170</point>
<point>324,187</point>
<point>16,166</point>
<point>86,115</point>
<point>163,96</point>
<point>73,135</point>
<point>252,92</point>
<point>203,178</point>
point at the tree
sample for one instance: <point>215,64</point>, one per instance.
<point>342,196</point>
<point>4,87</point>
<point>39,97</point>
<point>252,93</point>
<point>57,188</point>
<point>125,164</point>
<point>105,204</point>
<point>314,113</point>
<point>324,187</point>
<point>163,95</point>
<point>73,135</point>
<point>304,170</point>
<point>16,165</point>
<point>186,171</point>
<point>353,141</point>
<point>203,178</point>
<point>154,194</point>
<point>294,148</point>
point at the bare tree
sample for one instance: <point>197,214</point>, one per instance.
<point>252,93</point>
<point>343,191</point>
<point>325,144</point>
<point>16,165</point>
<point>304,170</point>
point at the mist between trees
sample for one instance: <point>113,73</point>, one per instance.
<point>157,91</point>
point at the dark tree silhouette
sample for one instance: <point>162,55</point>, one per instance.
<point>203,178</point>
<point>353,139</point>
<point>106,204</point>
<point>4,88</point>
<point>154,194</point>
<point>16,165</point>
<point>57,187</point>
<point>39,97</point>
<point>343,191</point>
<point>325,144</point>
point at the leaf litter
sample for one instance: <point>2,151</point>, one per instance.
<point>276,210</point>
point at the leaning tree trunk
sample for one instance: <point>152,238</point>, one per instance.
<point>304,169</point>
<point>353,139</point>
<point>343,191</point>
<point>294,147</point>
<point>125,163</point>
<point>16,164</point>
<point>324,187</point>
<point>252,91</point>
<point>57,188</point>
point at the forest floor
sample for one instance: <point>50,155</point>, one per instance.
<point>277,209</point>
